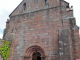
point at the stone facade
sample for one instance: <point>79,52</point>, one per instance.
<point>45,26</point>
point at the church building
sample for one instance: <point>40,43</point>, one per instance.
<point>43,30</point>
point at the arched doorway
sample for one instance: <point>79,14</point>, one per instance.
<point>34,53</point>
<point>36,56</point>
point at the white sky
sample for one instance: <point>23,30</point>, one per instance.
<point>7,6</point>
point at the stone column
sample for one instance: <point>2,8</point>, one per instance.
<point>42,58</point>
<point>30,58</point>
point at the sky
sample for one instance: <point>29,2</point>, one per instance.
<point>7,6</point>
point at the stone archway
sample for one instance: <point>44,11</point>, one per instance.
<point>31,51</point>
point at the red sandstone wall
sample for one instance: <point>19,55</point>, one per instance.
<point>35,5</point>
<point>37,28</point>
<point>47,28</point>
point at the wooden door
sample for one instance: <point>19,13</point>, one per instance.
<point>34,58</point>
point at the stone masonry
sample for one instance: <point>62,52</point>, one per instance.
<point>45,26</point>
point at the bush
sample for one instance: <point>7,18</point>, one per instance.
<point>5,49</point>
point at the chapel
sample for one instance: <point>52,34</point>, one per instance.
<point>43,30</point>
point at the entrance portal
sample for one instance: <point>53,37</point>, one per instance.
<point>36,56</point>
<point>34,53</point>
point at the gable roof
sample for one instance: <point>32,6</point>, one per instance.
<point>21,3</point>
<point>65,1</point>
<point>15,8</point>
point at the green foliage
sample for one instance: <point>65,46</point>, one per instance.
<point>5,49</point>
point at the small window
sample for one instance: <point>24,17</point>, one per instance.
<point>12,30</point>
<point>24,6</point>
<point>45,2</point>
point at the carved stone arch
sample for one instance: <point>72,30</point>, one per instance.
<point>31,50</point>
